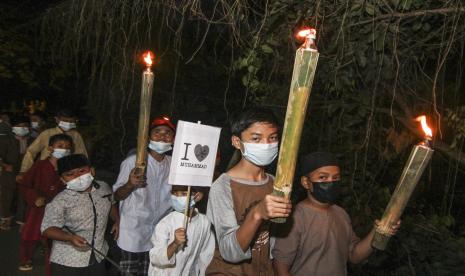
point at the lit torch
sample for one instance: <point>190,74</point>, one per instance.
<point>305,63</point>
<point>416,164</point>
<point>144,114</point>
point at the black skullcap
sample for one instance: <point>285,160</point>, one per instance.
<point>72,162</point>
<point>16,120</point>
<point>315,160</point>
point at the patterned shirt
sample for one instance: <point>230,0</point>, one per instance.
<point>85,214</point>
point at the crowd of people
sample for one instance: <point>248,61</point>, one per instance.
<point>47,186</point>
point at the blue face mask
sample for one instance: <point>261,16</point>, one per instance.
<point>260,154</point>
<point>66,126</point>
<point>59,153</point>
<point>160,147</point>
<point>20,131</point>
<point>179,203</point>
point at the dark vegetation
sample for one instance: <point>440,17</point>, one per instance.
<point>381,64</point>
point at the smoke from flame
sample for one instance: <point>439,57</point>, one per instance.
<point>148,58</point>
<point>426,129</point>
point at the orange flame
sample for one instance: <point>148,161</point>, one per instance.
<point>148,58</point>
<point>307,32</point>
<point>426,129</point>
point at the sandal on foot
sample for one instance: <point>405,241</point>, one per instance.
<point>25,267</point>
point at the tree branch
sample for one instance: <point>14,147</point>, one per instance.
<point>442,11</point>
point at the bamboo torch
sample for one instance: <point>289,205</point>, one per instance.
<point>305,63</point>
<point>416,164</point>
<point>144,114</point>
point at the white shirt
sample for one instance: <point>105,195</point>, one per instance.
<point>145,206</point>
<point>196,256</point>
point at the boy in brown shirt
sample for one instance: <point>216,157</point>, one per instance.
<point>240,202</point>
<point>321,240</point>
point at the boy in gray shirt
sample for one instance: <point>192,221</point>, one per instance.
<point>240,203</point>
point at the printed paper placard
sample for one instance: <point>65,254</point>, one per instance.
<point>194,154</point>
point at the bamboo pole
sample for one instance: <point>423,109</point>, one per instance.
<point>302,79</point>
<point>416,164</point>
<point>186,212</point>
<point>144,117</point>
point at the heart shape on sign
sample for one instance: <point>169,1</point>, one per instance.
<point>201,152</point>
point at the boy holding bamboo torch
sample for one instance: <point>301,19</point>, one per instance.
<point>144,200</point>
<point>321,240</point>
<point>180,251</point>
<point>240,203</point>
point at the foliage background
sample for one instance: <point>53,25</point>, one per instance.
<point>381,64</point>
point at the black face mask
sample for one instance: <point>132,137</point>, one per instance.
<point>326,192</point>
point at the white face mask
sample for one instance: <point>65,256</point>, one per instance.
<point>80,183</point>
<point>260,154</point>
<point>66,126</point>
<point>20,131</point>
<point>179,203</point>
<point>35,125</point>
<point>160,147</point>
<point>59,153</point>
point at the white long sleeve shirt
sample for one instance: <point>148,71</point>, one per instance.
<point>196,256</point>
<point>145,206</point>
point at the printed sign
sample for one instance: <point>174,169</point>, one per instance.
<point>194,154</point>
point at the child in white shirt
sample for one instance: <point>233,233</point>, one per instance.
<point>176,252</point>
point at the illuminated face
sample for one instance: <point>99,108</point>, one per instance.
<point>75,173</point>
<point>182,191</point>
<point>258,133</point>
<point>162,134</point>
<point>61,144</point>
<point>325,174</point>
<point>65,119</point>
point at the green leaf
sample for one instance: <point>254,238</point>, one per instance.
<point>426,27</point>
<point>405,5</point>
<point>252,69</point>
<point>356,6</point>
<point>417,26</point>
<point>370,9</point>
<point>267,49</point>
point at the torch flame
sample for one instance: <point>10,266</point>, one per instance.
<point>308,32</point>
<point>426,129</point>
<point>148,58</point>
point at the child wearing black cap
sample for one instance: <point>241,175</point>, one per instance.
<point>76,220</point>
<point>321,240</point>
